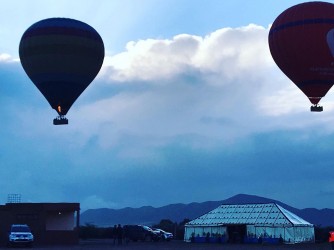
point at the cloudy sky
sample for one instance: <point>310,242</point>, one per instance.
<point>188,107</point>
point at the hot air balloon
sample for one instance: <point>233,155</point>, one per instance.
<point>301,42</point>
<point>62,57</point>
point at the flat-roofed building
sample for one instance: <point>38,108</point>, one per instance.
<point>51,223</point>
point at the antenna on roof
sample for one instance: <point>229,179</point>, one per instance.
<point>14,198</point>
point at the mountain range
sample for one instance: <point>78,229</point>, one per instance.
<point>148,215</point>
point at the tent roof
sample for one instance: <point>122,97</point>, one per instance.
<point>269,214</point>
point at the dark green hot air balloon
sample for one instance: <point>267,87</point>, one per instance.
<point>62,57</point>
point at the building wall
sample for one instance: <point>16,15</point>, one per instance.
<point>41,218</point>
<point>270,234</point>
<point>201,231</point>
<point>288,234</point>
<point>63,221</point>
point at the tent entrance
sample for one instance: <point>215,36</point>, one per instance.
<point>236,233</point>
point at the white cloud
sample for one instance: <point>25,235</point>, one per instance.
<point>228,76</point>
<point>4,57</point>
<point>153,59</point>
<point>226,52</point>
<point>233,53</point>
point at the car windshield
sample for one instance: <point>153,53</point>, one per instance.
<point>159,230</point>
<point>20,229</point>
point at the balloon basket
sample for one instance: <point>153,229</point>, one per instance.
<point>316,108</point>
<point>60,120</point>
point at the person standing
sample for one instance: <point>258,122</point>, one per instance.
<point>114,234</point>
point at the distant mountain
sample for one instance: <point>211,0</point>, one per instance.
<point>148,215</point>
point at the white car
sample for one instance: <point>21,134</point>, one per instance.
<point>20,234</point>
<point>163,234</point>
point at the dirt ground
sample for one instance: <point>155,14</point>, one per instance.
<point>176,245</point>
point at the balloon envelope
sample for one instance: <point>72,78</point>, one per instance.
<point>61,56</point>
<point>301,42</point>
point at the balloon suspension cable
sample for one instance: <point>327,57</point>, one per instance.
<point>60,120</point>
<point>316,108</point>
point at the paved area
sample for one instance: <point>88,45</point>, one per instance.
<point>179,245</point>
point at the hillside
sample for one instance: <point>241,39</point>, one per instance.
<point>148,215</point>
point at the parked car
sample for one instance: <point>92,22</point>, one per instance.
<point>20,234</point>
<point>140,233</point>
<point>163,234</point>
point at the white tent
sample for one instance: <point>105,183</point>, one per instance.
<point>250,223</point>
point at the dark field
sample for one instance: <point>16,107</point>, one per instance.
<point>107,244</point>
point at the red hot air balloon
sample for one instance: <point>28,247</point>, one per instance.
<point>301,42</point>
<point>62,57</point>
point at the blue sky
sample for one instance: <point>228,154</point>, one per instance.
<point>188,107</point>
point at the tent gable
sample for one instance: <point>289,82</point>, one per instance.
<point>294,219</point>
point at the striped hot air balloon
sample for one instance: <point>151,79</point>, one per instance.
<point>62,57</point>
